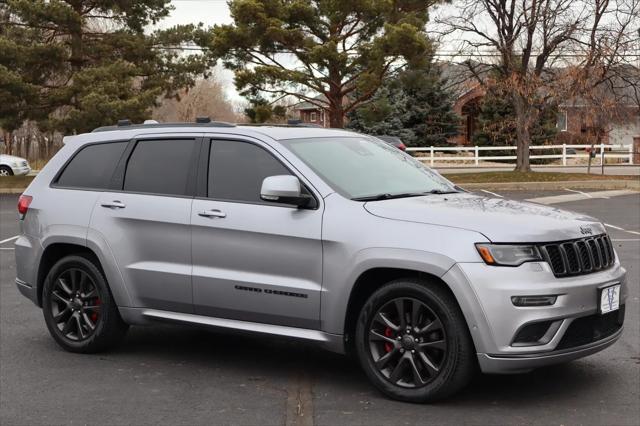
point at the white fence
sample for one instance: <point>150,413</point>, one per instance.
<point>601,150</point>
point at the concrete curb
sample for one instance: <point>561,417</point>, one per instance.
<point>546,186</point>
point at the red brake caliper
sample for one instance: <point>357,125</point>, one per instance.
<point>94,315</point>
<point>389,333</point>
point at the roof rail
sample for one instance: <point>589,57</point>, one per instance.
<point>301,124</point>
<point>126,125</point>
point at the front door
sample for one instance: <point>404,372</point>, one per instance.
<point>252,260</point>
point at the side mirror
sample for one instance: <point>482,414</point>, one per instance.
<point>285,189</point>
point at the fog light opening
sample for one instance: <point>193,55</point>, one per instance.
<point>533,300</point>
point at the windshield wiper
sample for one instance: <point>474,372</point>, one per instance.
<point>379,197</point>
<point>388,196</point>
<point>440,192</point>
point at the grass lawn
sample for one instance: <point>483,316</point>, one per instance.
<point>10,182</point>
<point>493,177</point>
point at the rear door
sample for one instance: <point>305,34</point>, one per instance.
<point>145,221</point>
<point>253,260</point>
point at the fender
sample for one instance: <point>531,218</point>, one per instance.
<point>98,244</point>
<point>337,286</point>
<point>470,306</point>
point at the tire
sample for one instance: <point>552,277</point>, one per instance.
<point>437,342</point>
<point>94,305</point>
<point>6,171</point>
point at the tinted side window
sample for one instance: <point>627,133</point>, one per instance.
<point>237,169</point>
<point>92,166</point>
<point>160,167</point>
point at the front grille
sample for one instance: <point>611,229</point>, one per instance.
<point>592,328</point>
<point>578,257</point>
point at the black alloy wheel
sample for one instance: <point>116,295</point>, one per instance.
<point>413,342</point>
<point>407,342</point>
<point>79,309</point>
<point>75,304</point>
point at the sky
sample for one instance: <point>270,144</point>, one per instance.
<point>209,12</point>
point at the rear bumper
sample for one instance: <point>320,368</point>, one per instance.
<point>493,364</point>
<point>26,290</point>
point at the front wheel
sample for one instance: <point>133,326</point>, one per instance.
<point>413,342</point>
<point>6,171</point>
<point>78,308</point>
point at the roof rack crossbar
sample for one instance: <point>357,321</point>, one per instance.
<point>159,125</point>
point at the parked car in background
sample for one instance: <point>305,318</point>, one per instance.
<point>318,234</point>
<point>393,140</point>
<point>11,165</point>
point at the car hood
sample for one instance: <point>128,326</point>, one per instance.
<point>5,157</point>
<point>499,219</point>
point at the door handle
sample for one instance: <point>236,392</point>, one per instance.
<point>212,213</point>
<point>114,205</point>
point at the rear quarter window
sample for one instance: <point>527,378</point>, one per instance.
<point>93,166</point>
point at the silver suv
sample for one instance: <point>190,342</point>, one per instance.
<point>316,234</point>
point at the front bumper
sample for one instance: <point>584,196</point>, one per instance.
<point>20,171</point>
<point>492,364</point>
<point>485,295</point>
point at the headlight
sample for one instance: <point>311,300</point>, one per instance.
<point>15,164</point>
<point>508,254</point>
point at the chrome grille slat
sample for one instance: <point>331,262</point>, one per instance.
<point>595,254</point>
<point>578,257</point>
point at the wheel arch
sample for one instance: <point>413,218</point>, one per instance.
<point>371,280</point>
<point>52,253</point>
<point>54,250</point>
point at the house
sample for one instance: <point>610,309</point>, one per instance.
<point>614,120</point>
<point>311,113</point>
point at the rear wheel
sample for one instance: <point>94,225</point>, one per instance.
<point>78,308</point>
<point>6,171</point>
<point>413,342</point>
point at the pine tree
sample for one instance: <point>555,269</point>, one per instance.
<point>413,106</point>
<point>337,47</point>
<point>497,122</point>
<point>73,65</point>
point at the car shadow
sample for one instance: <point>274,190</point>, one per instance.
<point>267,356</point>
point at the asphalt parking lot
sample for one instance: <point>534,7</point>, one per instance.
<point>180,375</point>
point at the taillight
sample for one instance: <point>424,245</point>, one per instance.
<point>23,204</point>
<point>402,147</point>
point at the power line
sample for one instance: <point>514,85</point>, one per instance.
<point>437,54</point>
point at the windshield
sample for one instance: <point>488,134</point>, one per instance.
<point>364,168</point>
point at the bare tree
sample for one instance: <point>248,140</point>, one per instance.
<point>543,50</point>
<point>205,98</point>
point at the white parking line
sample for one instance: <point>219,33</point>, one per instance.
<point>579,192</point>
<point>622,229</point>
<point>580,196</point>
<point>625,239</point>
<point>492,193</point>
<point>9,239</point>
<point>7,248</point>
<point>614,227</point>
